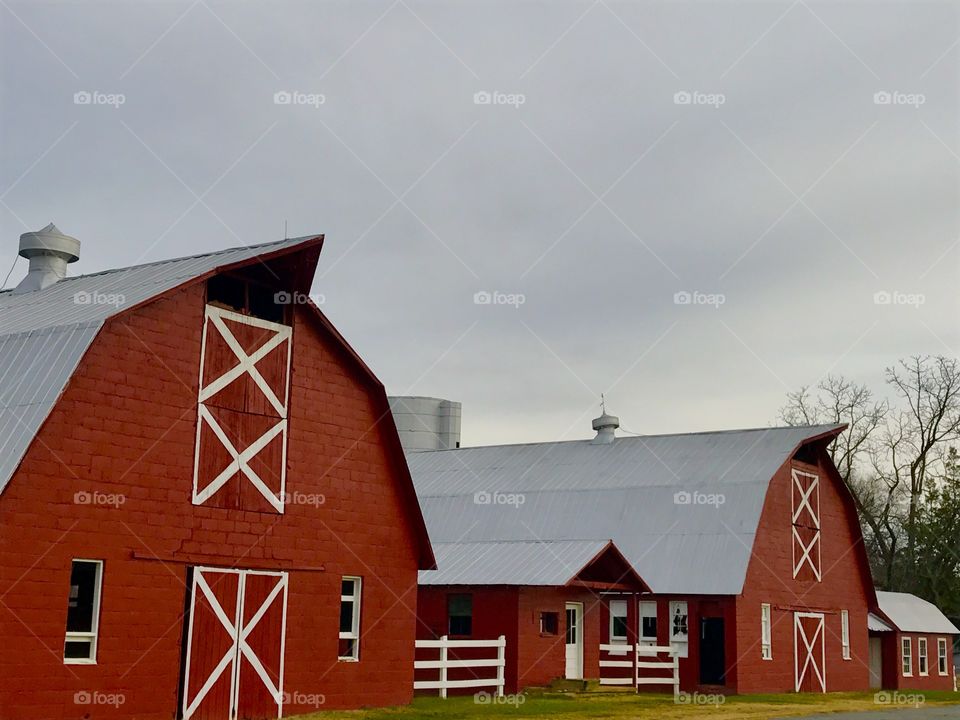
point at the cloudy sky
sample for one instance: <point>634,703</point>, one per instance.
<point>691,207</point>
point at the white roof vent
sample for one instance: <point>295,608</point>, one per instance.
<point>606,426</point>
<point>49,252</point>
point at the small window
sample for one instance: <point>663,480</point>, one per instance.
<point>942,656</point>
<point>83,612</point>
<point>648,623</point>
<point>845,633</point>
<point>460,614</point>
<point>906,657</point>
<point>766,645</point>
<point>549,623</point>
<point>922,656</point>
<point>349,645</point>
<point>679,634</point>
<point>618,621</point>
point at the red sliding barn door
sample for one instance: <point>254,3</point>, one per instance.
<point>240,460</point>
<point>233,665</point>
<point>809,652</point>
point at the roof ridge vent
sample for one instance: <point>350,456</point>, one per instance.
<point>605,425</point>
<point>49,252</point>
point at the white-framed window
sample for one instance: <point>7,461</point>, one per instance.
<point>349,645</point>
<point>618,621</point>
<point>766,639</point>
<point>922,656</point>
<point>906,657</point>
<point>942,656</point>
<point>83,612</point>
<point>679,627</point>
<point>648,622</point>
<point>845,633</point>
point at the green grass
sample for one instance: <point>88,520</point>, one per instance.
<point>628,706</point>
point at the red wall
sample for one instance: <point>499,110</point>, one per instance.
<point>893,678</point>
<point>845,584</point>
<point>126,424</point>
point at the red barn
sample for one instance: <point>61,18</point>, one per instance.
<point>205,509</point>
<point>748,540</point>
<point>911,644</point>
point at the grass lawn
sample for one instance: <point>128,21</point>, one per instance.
<point>630,706</point>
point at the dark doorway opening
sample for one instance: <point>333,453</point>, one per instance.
<point>712,659</point>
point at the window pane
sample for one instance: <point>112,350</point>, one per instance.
<point>461,625</point>
<point>346,616</point>
<point>461,605</point>
<point>619,627</point>
<point>347,648</point>
<point>648,627</point>
<point>549,623</point>
<point>83,582</point>
<point>346,587</point>
<point>78,649</point>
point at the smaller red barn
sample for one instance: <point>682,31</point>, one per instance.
<point>911,644</point>
<point>533,593</point>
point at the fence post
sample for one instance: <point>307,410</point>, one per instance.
<point>443,666</point>
<point>501,662</point>
<point>636,668</point>
<point>676,675</point>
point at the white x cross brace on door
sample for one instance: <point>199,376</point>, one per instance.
<point>809,502</point>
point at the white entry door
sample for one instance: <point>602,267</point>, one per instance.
<point>876,663</point>
<point>574,641</point>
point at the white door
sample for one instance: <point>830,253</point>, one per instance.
<point>876,663</point>
<point>574,641</point>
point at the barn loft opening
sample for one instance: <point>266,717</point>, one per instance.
<point>249,297</point>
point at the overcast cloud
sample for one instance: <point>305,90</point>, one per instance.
<point>782,197</point>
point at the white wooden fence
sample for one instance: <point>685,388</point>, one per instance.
<point>633,660</point>
<point>444,664</point>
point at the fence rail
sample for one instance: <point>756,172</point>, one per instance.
<point>635,653</point>
<point>444,663</point>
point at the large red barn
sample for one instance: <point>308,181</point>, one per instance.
<point>205,510</point>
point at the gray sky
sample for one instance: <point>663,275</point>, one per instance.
<point>785,188</point>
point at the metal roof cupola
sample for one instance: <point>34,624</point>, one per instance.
<point>49,252</point>
<point>606,426</point>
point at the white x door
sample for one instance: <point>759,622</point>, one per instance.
<point>809,654</point>
<point>233,664</point>
<point>806,525</point>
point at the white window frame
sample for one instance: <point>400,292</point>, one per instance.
<point>942,657</point>
<point>845,633</point>
<point>354,633</point>
<point>93,634</point>
<point>618,639</point>
<point>906,657</point>
<point>766,632</point>
<point>679,643</point>
<point>923,664</point>
<point>643,611</point>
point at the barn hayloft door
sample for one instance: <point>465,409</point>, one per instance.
<point>808,652</point>
<point>233,661</point>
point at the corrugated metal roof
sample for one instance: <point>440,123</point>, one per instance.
<point>510,563</point>
<point>876,624</point>
<point>44,333</point>
<point>683,509</point>
<point>913,614</point>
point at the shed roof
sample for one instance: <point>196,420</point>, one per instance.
<point>683,509</point>
<point>910,613</point>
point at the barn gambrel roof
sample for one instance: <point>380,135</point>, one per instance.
<point>45,333</point>
<point>683,509</point>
